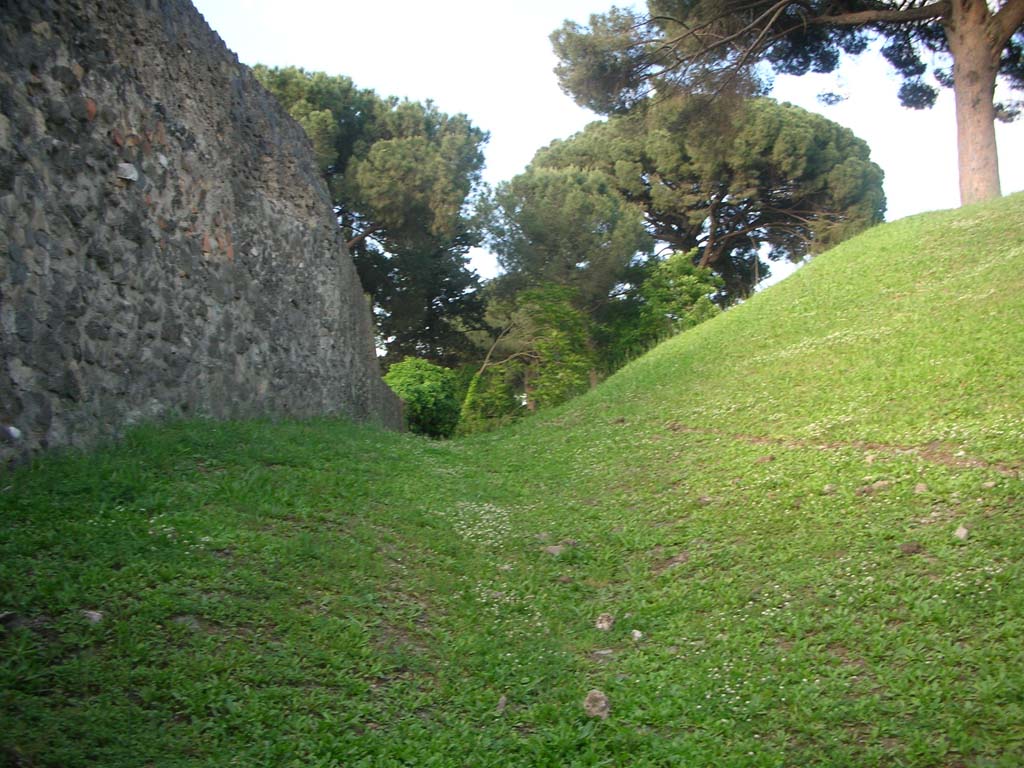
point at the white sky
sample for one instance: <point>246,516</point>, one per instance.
<point>492,60</point>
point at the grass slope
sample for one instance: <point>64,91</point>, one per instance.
<point>766,505</point>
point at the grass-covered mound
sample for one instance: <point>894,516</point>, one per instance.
<point>804,517</point>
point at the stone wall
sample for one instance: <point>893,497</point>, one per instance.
<point>167,246</point>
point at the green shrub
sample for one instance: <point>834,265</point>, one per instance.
<point>429,393</point>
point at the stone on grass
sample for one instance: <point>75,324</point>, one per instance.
<point>502,703</point>
<point>93,617</point>
<point>677,559</point>
<point>637,635</point>
<point>921,488</point>
<point>596,704</point>
<point>962,533</point>
<point>912,548</point>
<point>11,620</point>
<point>189,622</point>
<point>605,622</point>
<point>560,547</point>
<point>875,487</point>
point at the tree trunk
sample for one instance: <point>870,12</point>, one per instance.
<point>710,255</point>
<point>975,65</point>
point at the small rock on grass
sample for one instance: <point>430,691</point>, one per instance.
<point>12,620</point>
<point>605,622</point>
<point>637,635</point>
<point>875,487</point>
<point>912,548</point>
<point>187,621</point>
<point>596,704</point>
<point>962,533</point>
<point>93,617</point>
<point>560,547</point>
<point>921,488</point>
<point>502,704</point>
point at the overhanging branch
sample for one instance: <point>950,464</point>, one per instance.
<point>1006,21</point>
<point>362,236</point>
<point>937,10</point>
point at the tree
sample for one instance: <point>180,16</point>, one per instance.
<point>559,347</point>
<point>403,177</point>
<point>669,296</point>
<point>725,180</point>
<point>544,350</point>
<point>581,293</point>
<point>704,46</point>
<point>335,114</point>
<point>568,227</point>
<point>425,298</point>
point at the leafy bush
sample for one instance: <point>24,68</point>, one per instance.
<point>429,393</point>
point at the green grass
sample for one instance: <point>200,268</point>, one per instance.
<point>771,499</point>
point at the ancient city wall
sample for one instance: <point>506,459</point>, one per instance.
<point>167,244</point>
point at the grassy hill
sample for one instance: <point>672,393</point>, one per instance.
<point>804,518</point>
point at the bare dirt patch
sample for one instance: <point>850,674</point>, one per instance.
<point>663,564</point>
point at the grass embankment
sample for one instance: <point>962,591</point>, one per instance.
<point>770,501</point>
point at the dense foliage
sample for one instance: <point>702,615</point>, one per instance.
<point>566,227</point>
<point>429,394</point>
<point>403,176</point>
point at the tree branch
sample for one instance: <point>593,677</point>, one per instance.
<point>936,10</point>
<point>362,236</point>
<point>1007,21</point>
<point>527,354</point>
<point>761,27</point>
<point>502,334</point>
